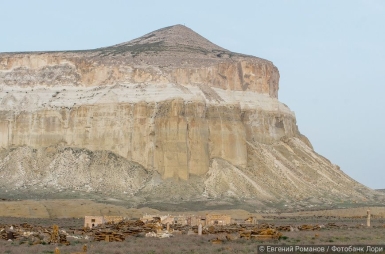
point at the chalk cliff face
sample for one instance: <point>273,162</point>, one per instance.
<point>169,106</point>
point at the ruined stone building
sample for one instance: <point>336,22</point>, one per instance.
<point>251,220</point>
<point>218,219</point>
<point>196,220</point>
<point>93,221</point>
<point>112,219</point>
<point>191,220</point>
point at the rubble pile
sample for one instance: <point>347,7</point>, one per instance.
<point>118,232</point>
<point>26,233</point>
<point>108,236</point>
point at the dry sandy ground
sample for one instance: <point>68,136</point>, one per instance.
<point>349,234</point>
<point>347,212</point>
<point>77,208</point>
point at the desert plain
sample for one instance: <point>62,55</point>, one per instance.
<point>341,226</point>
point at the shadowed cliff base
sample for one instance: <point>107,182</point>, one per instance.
<point>74,173</point>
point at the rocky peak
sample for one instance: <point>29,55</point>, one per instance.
<point>173,38</point>
<point>174,46</point>
<point>175,54</point>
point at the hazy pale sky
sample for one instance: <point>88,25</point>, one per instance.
<point>330,54</point>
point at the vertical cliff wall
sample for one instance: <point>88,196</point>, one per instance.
<point>175,137</point>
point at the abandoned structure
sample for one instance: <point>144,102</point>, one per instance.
<point>93,221</point>
<point>148,217</point>
<point>190,220</point>
<point>184,220</point>
<point>112,219</point>
<point>218,219</point>
<point>251,221</point>
<point>196,221</point>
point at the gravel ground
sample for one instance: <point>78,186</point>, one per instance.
<point>350,231</point>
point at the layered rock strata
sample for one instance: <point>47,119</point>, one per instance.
<point>168,105</point>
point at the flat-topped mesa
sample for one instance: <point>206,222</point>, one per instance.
<point>170,100</point>
<point>136,117</point>
<point>173,54</point>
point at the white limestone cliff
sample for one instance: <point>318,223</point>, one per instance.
<point>168,105</point>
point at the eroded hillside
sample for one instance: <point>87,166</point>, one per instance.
<point>167,117</point>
